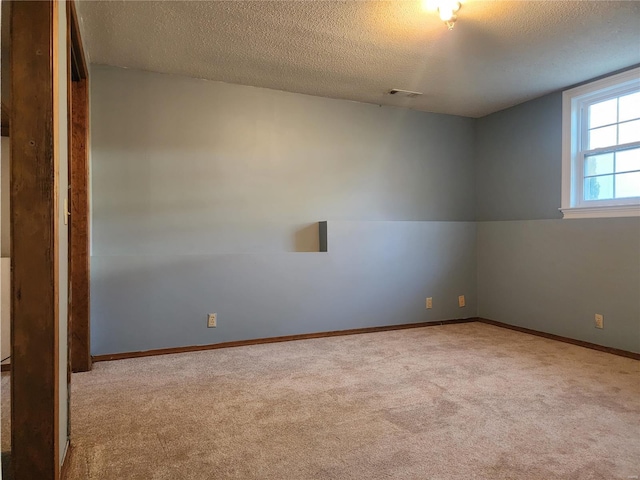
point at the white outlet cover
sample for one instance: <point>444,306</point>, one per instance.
<point>212,320</point>
<point>461,301</point>
<point>429,302</point>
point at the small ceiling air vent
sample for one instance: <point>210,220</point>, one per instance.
<point>404,93</point>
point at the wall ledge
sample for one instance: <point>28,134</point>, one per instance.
<point>601,212</point>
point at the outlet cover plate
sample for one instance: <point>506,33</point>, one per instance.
<point>429,302</point>
<point>461,301</point>
<point>599,321</point>
<point>212,320</point>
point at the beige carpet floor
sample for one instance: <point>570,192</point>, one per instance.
<point>468,401</point>
<point>5,424</point>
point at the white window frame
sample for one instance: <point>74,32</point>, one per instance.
<point>575,103</point>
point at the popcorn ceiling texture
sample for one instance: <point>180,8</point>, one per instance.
<point>499,54</point>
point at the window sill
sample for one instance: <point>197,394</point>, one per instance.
<point>601,212</point>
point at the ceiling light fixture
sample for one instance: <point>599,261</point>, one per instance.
<point>446,8</point>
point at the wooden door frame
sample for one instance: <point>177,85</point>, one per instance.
<point>79,255</point>
<point>34,241</point>
<point>35,230</point>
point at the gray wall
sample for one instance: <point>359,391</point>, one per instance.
<point>519,161</point>
<point>376,273</point>
<point>534,269</point>
<point>206,198</point>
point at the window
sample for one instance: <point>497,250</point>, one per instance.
<point>601,148</point>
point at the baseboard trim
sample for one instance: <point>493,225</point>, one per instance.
<point>357,331</point>
<point>286,338</point>
<point>551,336</point>
<point>5,367</point>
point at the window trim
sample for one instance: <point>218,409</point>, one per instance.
<point>573,101</point>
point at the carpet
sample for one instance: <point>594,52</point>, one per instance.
<point>467,401</point>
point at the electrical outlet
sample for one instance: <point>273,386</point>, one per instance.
<point>212,320</point>
<point>461,302</point>
<point>429,302</point>
<point>599,321</point>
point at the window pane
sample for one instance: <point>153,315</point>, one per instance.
<point>629,132</point>
<point>603,113</point>
<point>628,185</point>
<point>598,188</point>
<point>598,164</point>
<point>602,137</point>
<point>629,107</point>
<point>628,160</point>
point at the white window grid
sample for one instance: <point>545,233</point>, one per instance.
<point>585,152</point>
<point>575,148</point>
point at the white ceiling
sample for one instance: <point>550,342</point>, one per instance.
<point>499,54</point>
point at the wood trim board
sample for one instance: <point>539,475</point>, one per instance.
<point>78,63</point>
<point>4,120</point>
<point>34,241</point>
<point>551,336</point>
<point>355,331</point>
<point>286,338</point>
<point>79,248</point>
<point>79,231</point>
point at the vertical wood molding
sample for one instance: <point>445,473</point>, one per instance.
<point>4,120</point>
<point>80,299</point>
<point>34,241</point>
<point>77,61</point>
<point>79,257</point>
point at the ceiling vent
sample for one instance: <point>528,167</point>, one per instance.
<point>404,93</point>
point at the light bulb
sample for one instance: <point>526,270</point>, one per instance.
<point>430,5</point>
<point>446,13</point>
<point>447,10</point>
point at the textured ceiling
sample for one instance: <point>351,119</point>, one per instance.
<point>498,55</point>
